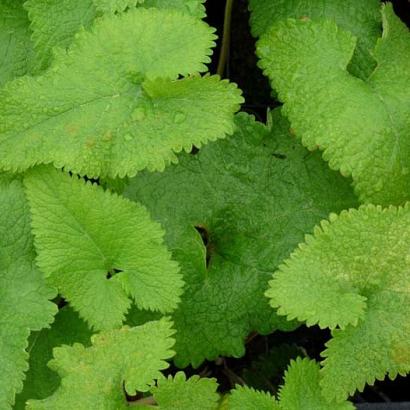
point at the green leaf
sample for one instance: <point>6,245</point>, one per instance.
<point>301,390</point>
<point>365,254</point>
<point>54,24</point>
<point>99,249</point>
<point>361,18</point>
<point>252,197</point>
<point>192,7</point>
<point>41,381</point>
<point>178,393</point>
<point>362,127</point>
<point>247,398</point>
<point>115,6</point>
<point>24,297</point>
<point>101,110</point>
<point>127,359</point>
<point>16,48</point>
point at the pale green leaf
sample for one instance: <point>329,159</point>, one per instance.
<point>99,249</point>
<point>362,127</point>
<point>24,297</point>
<point>100,109</point>
<point>41,381</point>
<point>178,393</point>
<point>362,18</point>
<point>129,359</point>
<point>16,48</point>
<point>193,7</point>
<point>253,196</point>
<point>301,389</point>
<point>54,24</point>
<point>365,254</point>
<point>243,397</point>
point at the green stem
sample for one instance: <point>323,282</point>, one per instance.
<point>226,38</point>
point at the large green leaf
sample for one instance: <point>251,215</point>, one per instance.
<point>123,360</point>
<point>352,276</point>
<point>362,127</point>
<point>101,110</point>
<point>16,48</point>
<point>252,197</point>
<point>360,17</point>
<point>99,249</point>
<point>24,297</point>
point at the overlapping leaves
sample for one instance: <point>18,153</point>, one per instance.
<point>24,296</point>
<point>129,359</point>
<point>16,48</point>
<point>300,391</point>
<point>252,197</point>
<point>362,127</point>
<point>361,18</point>
<point>98,249</point>
<point>354,272</point>
<point>100,109</point>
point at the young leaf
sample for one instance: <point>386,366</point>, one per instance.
<point>24,297</point>
<point>100,109</point>
<point>41,381</point>
<point>178,393</point>
<point>252,198</point>
<point>365,255</point>
<point>99,249</point>
<point>362,127</point>
<point>301,390</point>
<point>127,359</point>
<point>54,24</point>
<point>16,48</point>
<point>362,18</point>
<point>247,398</point>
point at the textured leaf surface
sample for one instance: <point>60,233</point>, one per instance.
<point>98,110</point>
<point>54,24</point>
<point>41,381</point>
<point>16,48</point>
<point>361,18</point>
<point>95,377</point>
<point>177,393</point>
<point>253,197</point>
<point>248,398</point>
<point>362,127</point>
<point>365,254</point>
<point>99,249</point>
<point>301,390</point>
<point>24,297</point>
<point>193,7</point>
<point>114,6</point>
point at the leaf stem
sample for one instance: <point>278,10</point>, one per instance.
<point>226,38</point>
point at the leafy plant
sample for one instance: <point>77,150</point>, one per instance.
<point>142,219</point>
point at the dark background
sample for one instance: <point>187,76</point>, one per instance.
<point>242,69</point>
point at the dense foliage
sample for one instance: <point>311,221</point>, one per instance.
<point>147,227</point>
